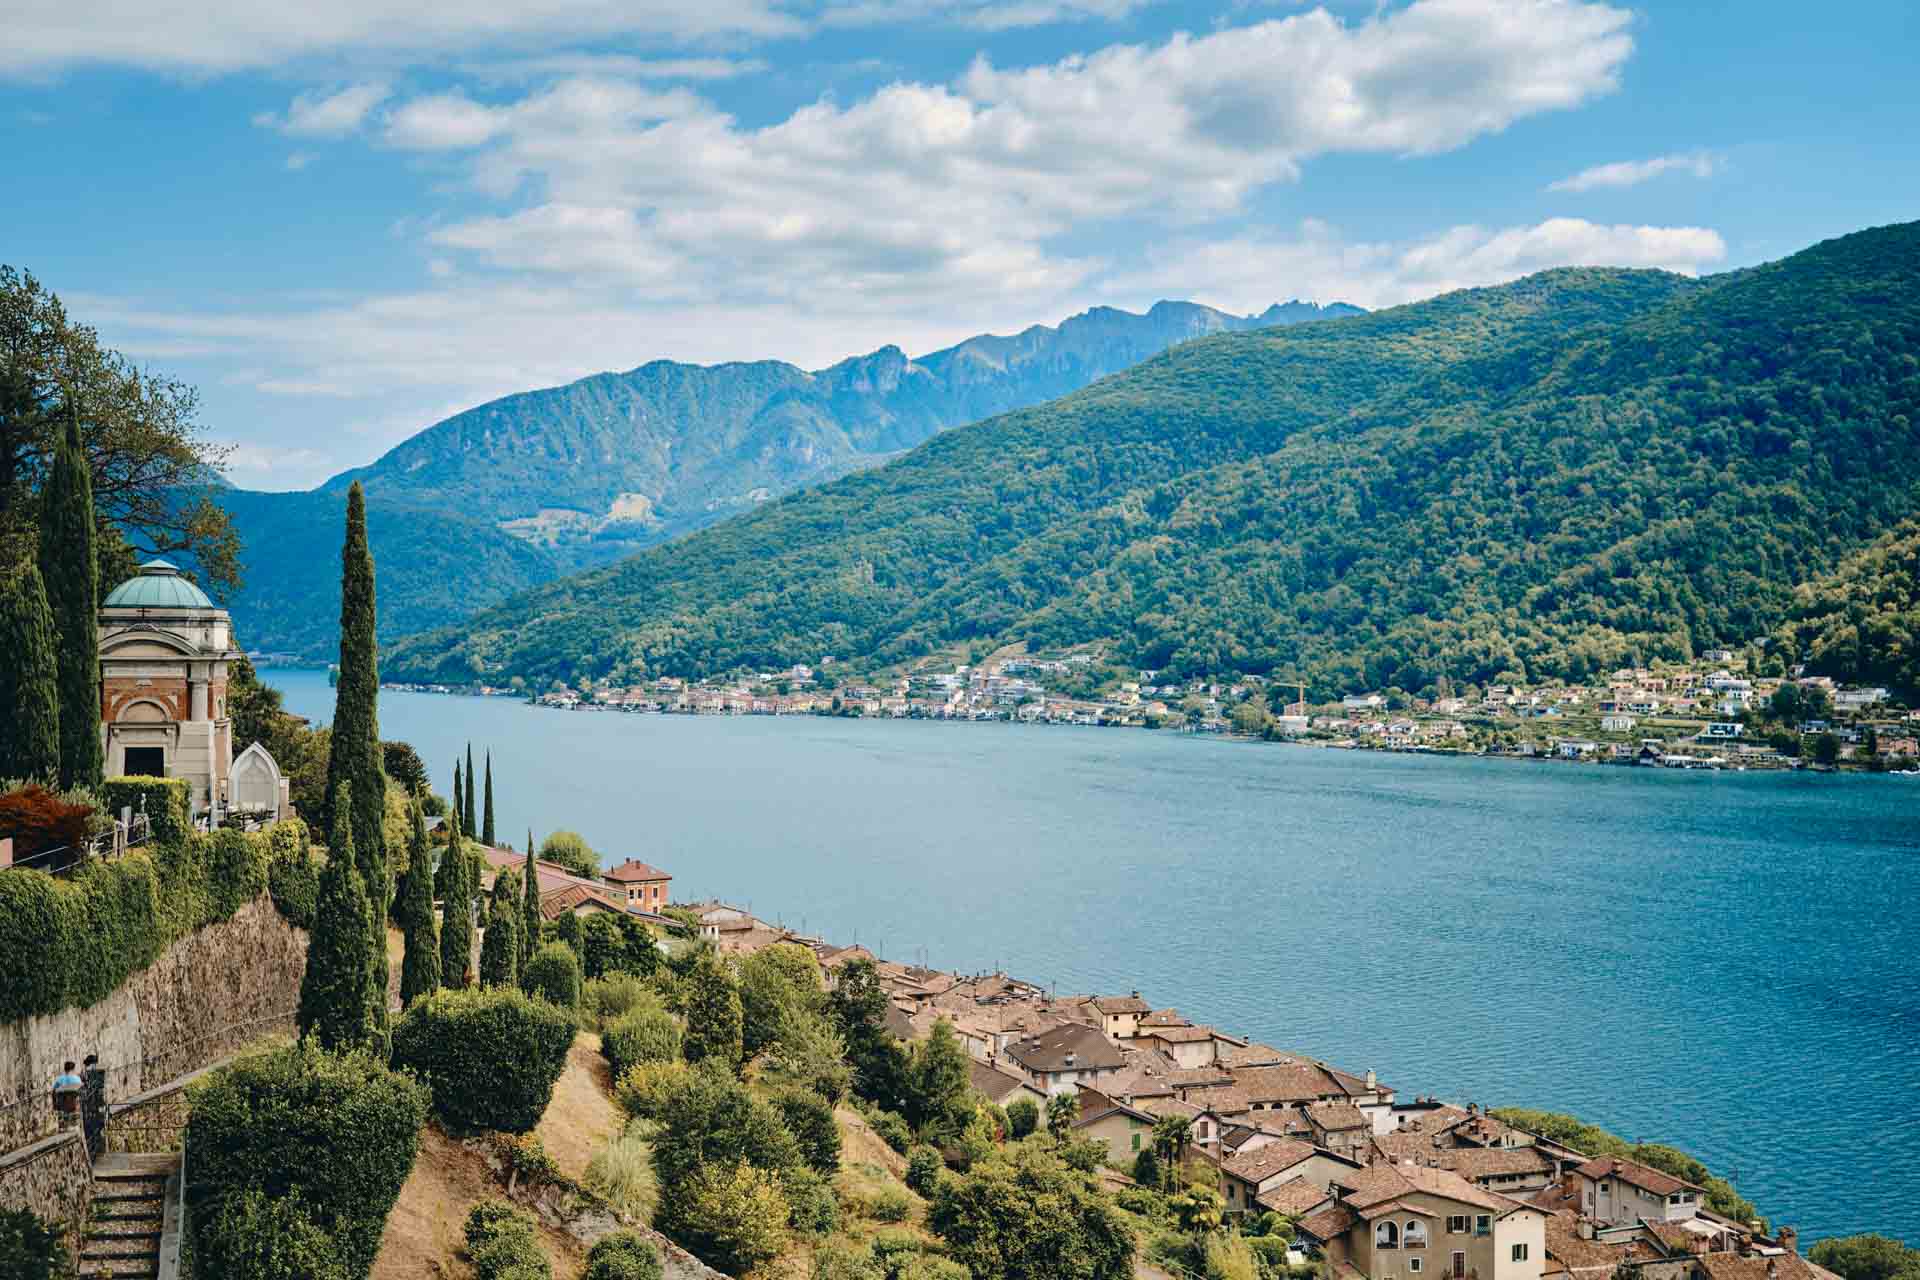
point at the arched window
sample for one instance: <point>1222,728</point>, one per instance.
<point>1386,1235</point>
<point>1416,1236</point>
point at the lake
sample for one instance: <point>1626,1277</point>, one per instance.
<point>1726,962</point>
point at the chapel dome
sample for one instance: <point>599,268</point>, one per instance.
<point>158,585</point>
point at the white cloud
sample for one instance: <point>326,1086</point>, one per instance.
<point>333,115</point>
<point>963,190</point>
<point>229,35</point>
<point>615,65</point>
<point>1631,173</point>
<point>1245,272</point>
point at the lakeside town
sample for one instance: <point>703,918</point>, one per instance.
<point>1716,713</point>
<point>1376,1181</point>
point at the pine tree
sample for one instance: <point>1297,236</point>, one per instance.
<point>354,754</point>
<point>500,950</point>
<point>456,911</point>
<point>486,821</point>
<point>29,679</point>
<point>420,969</point>
<point>70,575</point>
<point>529,908</point>
<point>336,991</point>
<point>467,818</point>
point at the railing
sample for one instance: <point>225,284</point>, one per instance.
<point>111,843</point>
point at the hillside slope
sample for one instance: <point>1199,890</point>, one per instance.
<point>1546,478</point>
<point>522,489</point>
<point>1861,623</point>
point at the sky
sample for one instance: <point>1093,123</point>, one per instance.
<point>343,222</point>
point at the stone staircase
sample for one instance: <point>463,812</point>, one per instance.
<point>133,1233</point>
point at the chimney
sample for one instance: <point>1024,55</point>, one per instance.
<point>1789,1239</point>
<point>1373,1081</point>
<point>1070,1059</point>
<point>1586,1229</point>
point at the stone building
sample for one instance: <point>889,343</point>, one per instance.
<point>164,652</point>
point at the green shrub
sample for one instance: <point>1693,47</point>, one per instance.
<point>624,1255</point>
<point>255,1126</point>
<point>265,1239</point>
<point>644,1090</point>
<point>167,802</point>
<point>1146,1168</point>
<point>813,1207</point>
<point>834,1261</point>
<point>647,1034</point>
<point>31,1249</point>
<point>893,1130</point>
<point>1270,1252</point>
<point>887,1205</point>
<point>502,1246</point>
<point>604,1001</point>
<point>930,1266</point>
<point>237,870</point>
<point>810,1120</point>
<point>491,1056</point>
<point>293,875</point>
<point>554,975</point>
<point>622,1171</point>
<point>923,1169</point>
<point>733,1217</point>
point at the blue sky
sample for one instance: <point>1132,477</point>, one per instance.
<point>343,222</point>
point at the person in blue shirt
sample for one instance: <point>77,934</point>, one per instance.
<point>67,1079</point>
<point>66,1097</point>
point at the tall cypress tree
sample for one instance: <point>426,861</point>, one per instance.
<point>336,991</point>
<point>500,951</point>
<point>354,756</point>
<point>420,969</point>
<point>71,577</point>
<point>29,679</point>
<point>486,822</point>
<point>529,909</point>
<point>456,911</point>
<point>458,799</point>
<point>467,815</point>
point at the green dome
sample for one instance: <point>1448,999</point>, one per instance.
<point>157,586</point>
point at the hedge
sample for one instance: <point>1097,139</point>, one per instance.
<point>293,875</point>
<point>72,941</point>
<point>167,802</point>
<point>501,1244</point>
<point>491,1056</point>
<point>258,1125</point>
<point>647,1034</point>
<point>624,1255</point>
<point>554,975</point>
<point>264,1239</point>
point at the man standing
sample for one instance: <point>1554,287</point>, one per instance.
<point>93,1104</point>
<point>66,1097</point>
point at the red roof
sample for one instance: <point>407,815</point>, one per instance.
<point>633,870</point>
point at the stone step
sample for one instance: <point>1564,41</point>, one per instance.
<point>133,1212</point>
<point>110,1239</point>
<point>148,1253</point>
<point>129,1197</point>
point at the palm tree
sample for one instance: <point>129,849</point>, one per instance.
<point>1171,1134</point>
<point>1062,1110</point>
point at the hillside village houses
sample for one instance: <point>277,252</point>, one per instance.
<point>1690,715</point>
<point>1380,1186</point>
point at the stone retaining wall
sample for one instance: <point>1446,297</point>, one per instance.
<point>53,1178</point>
<point>208,995</point>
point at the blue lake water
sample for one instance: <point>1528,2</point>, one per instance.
<point>1727,962</point>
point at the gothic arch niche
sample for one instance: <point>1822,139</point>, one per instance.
<point>255,784</point>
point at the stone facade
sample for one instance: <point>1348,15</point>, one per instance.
<point>52,1179</point>
<point>209,994</point>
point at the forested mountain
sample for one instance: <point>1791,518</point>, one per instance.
<point>522,489</point>
<point>1548,478</point>
<point>1861,623</point>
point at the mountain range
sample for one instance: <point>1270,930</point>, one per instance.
<point>1550,478</point>
<point>524,489</point>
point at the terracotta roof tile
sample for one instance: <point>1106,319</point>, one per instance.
<point>1329,1223</point>
<point>1294,1196</point>
<point>1635,1173</point>
<point>1262,1162</point>
<point>635,871</point>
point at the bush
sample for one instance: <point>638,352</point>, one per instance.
<point>648,1034</point>
<point>1146,1168</point>
<point>1270,1252</point>
<point>810,1120</point>
<point>604,1001</point>
<point>893,1130</point>
<point>643,1090</point>
<point>167,802</point>
<point>887,1205</point>
<point>734,1217</point>
<point>813,1207</point>
<point>1148,1204</point>
<point>255,1126</point>
<point>554,975</point>
<point>31,1249</point>
<point>293,876</point>
<point>491,1056</point>
<point>1025,1214</point>
<point>40,820</point>
<point>924,1166</point>
<point>623,1255</point>
<point>502,1245</point>
<point>844,1262</point>
<point>265,1239</point>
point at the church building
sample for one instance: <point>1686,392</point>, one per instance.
<point>164,652</point>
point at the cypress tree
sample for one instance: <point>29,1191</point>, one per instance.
<point>500,951</point>
<point>420,969</point>
<point>458,800</point>
<point>70,575</point>
<point>529,909</point>
<point>29,679</point>
<point>456,911</point>
<point>486,822</point>
<point>467,821</point>
<point>354,756</point>
<point>336,991</point>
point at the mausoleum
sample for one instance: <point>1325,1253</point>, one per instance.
<point>164,652</point>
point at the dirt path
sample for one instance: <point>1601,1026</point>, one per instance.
<point>582,1115</point>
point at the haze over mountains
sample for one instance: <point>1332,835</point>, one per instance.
<point>521,490</point>
<point>1582,469</point>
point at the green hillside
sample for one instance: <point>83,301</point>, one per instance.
<point>545,482</point>
<point>1861,623</point>
<point>1546,478</point>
